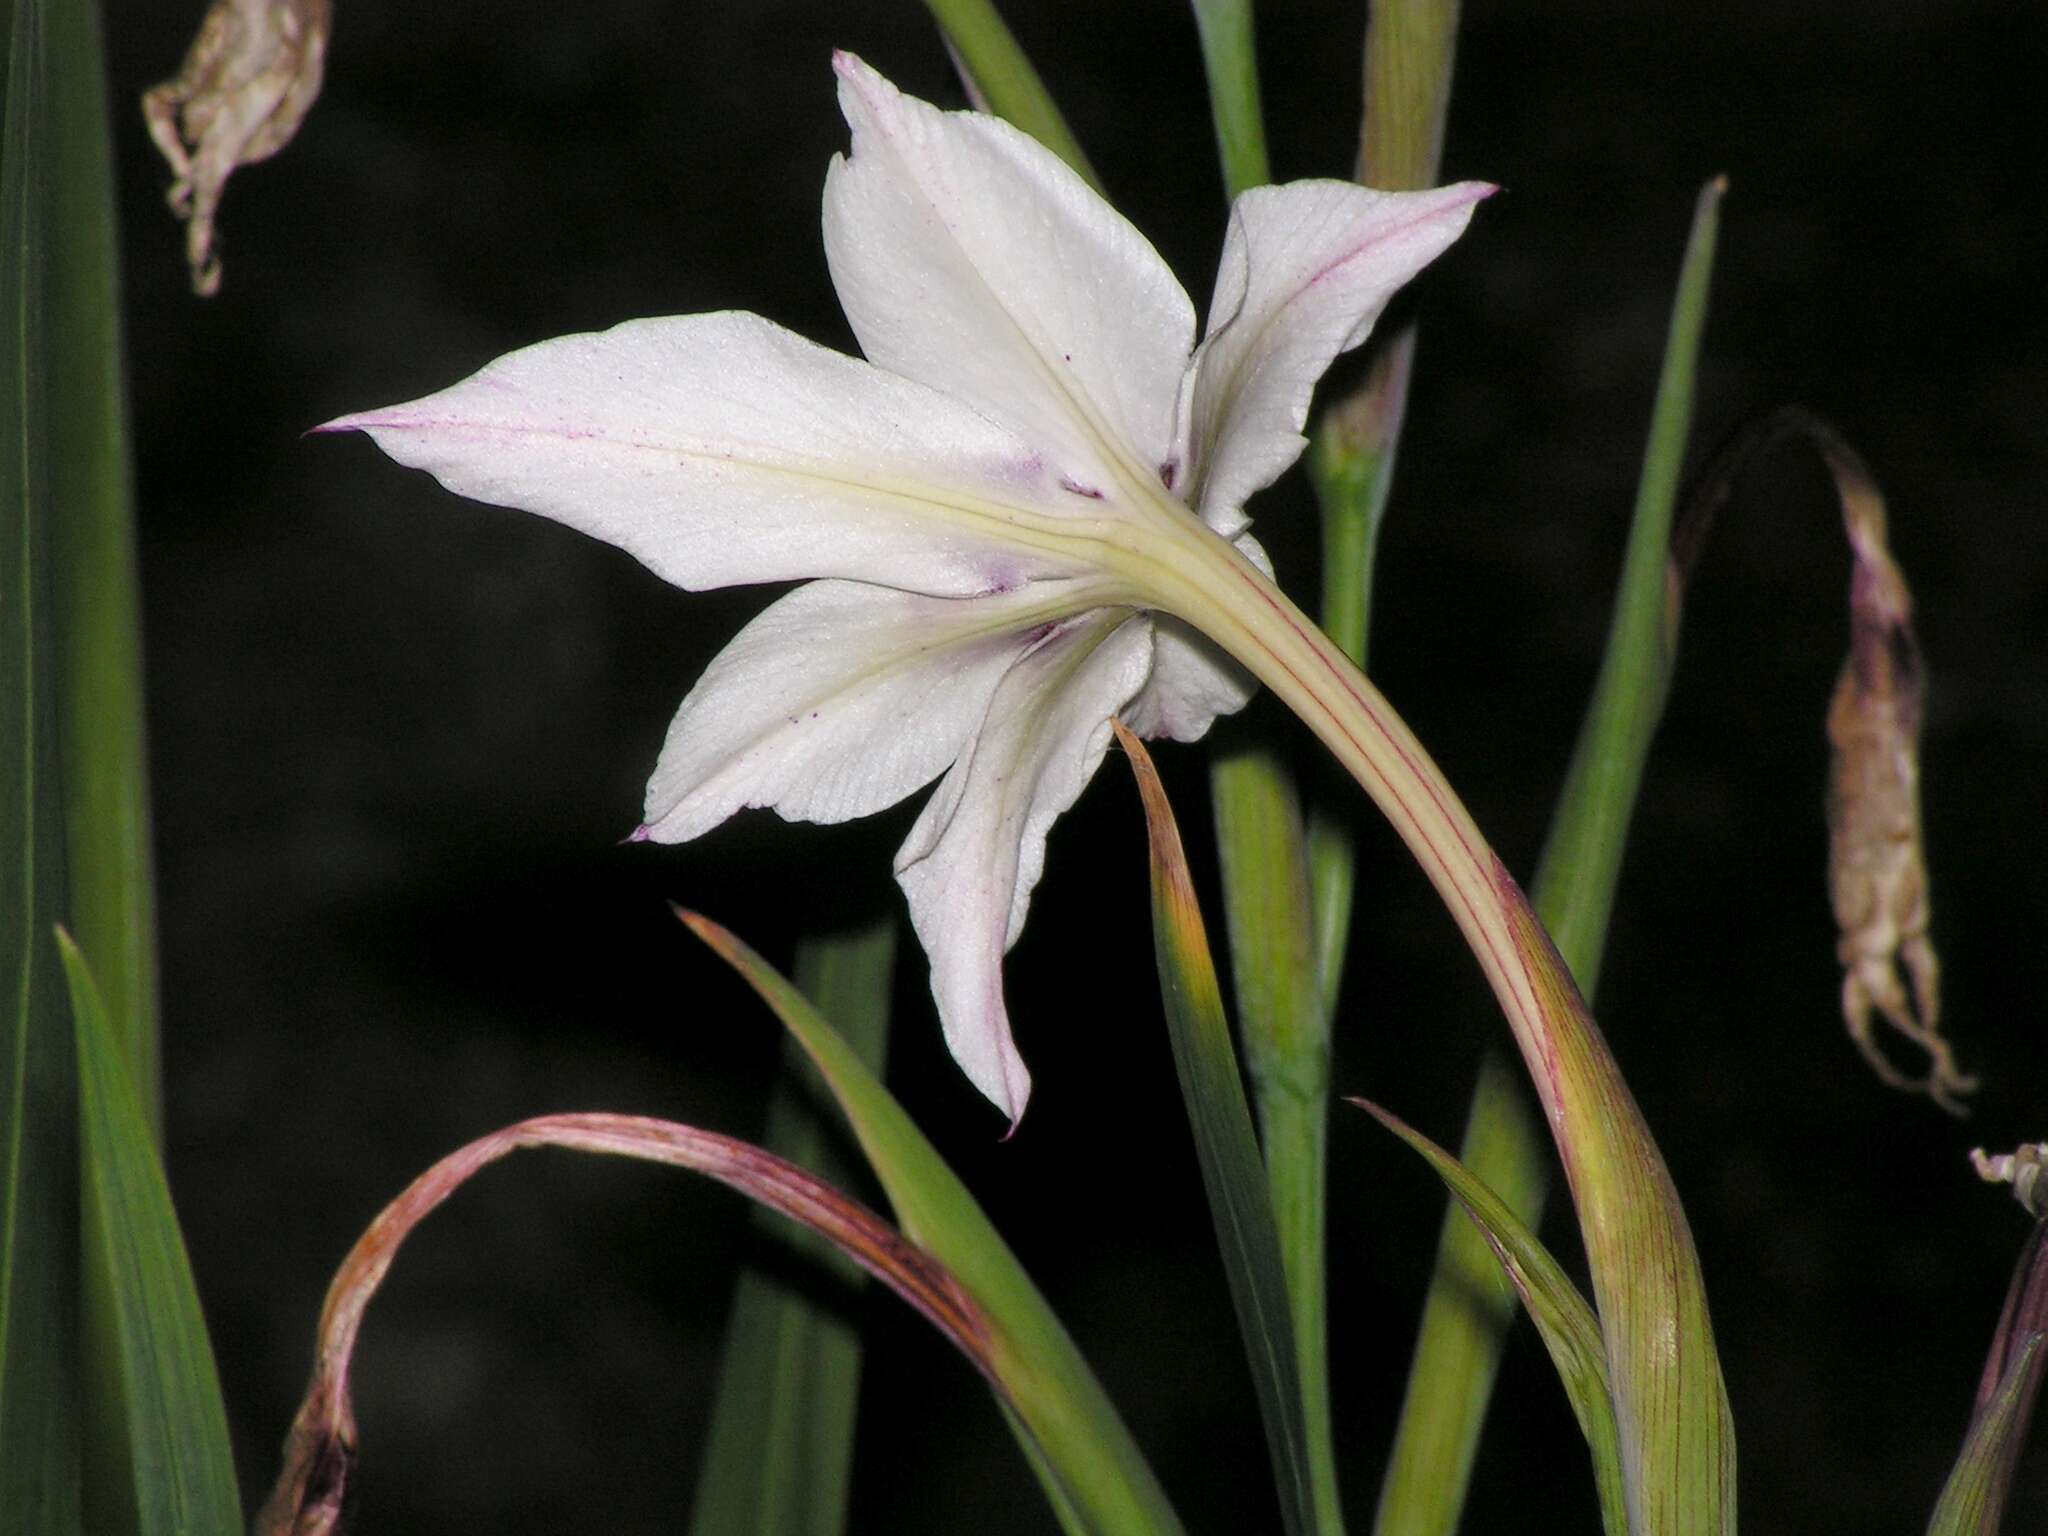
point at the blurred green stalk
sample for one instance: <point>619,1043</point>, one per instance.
<point>97,595</point>
<point>40,1448</point>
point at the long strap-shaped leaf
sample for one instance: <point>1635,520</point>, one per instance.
<point>1080,1442</point>
<point>39,1255</point>
<point>1567,1326</point>
<point>1973,1500</point>
<point>177,1471</point>
<point>779,1454</point>
<point>1225,1144</point>
<point>1282,1005</point>
<point>110,901</point>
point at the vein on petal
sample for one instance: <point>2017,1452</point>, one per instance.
<point>1044,532</point>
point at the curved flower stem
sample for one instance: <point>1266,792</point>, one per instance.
<point>1677,1444</point>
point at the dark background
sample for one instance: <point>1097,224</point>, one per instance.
<point>397,737</point>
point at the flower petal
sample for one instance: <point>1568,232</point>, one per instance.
<point>1306,270</point>
<point>838,700</point>
<point>969,864</point>
<point>721,448</point>
<point>971,258</point>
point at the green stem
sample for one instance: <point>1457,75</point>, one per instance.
<point>1466,1317</point>
<point>1230,61</point>
<point>1351,463</point>
<point>997,69</point>
<point>1287,1056</point>
<point>1645,1271</point>
<point>1267,907</point>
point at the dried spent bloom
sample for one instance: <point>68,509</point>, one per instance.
<point>1877,871</point>
<point>247,82</point>
<point>2021,1168</point>
<point>1033,460</point>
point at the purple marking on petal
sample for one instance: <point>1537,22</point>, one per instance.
<point>639,834</point>
<point>1169,472</point>
<point>1000,579</point>
<point>1067,483</point>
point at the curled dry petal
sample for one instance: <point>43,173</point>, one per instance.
<point>1877,873</point>
<point>247,82</point>
<point>320,1451</point>
<point>2022,1168</point>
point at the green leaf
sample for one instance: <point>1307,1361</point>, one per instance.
<point>1097,1472</point>
<point>1581,864</point>
<point>1228,1152</point>
<point>1004,81</point>
<point>1569,1330</point>
<point>779,1456</point>
<point>1231,63</point>
<point>1464,1327</point>
<point>110,904</point>
<point>1972,1501</point>
<point>1644,1264</point>
<point>1263,848</point>
<point>39,1260</point>
<point>182,1468</point>
<point>1286,1033</point>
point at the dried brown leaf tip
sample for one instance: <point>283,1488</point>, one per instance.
<point>320,1452</point>
<point>248,81</point>
<point>1877,875</point>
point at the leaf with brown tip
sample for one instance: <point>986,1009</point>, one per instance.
<point>320,1452</point>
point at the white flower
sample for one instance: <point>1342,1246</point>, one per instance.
<point>999,507</point>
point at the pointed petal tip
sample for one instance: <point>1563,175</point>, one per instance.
<point>643,833</point>
<point>357,422</point>
<point>1014,1094</point>
<point>1461,195</point>
<point>857,75</point>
